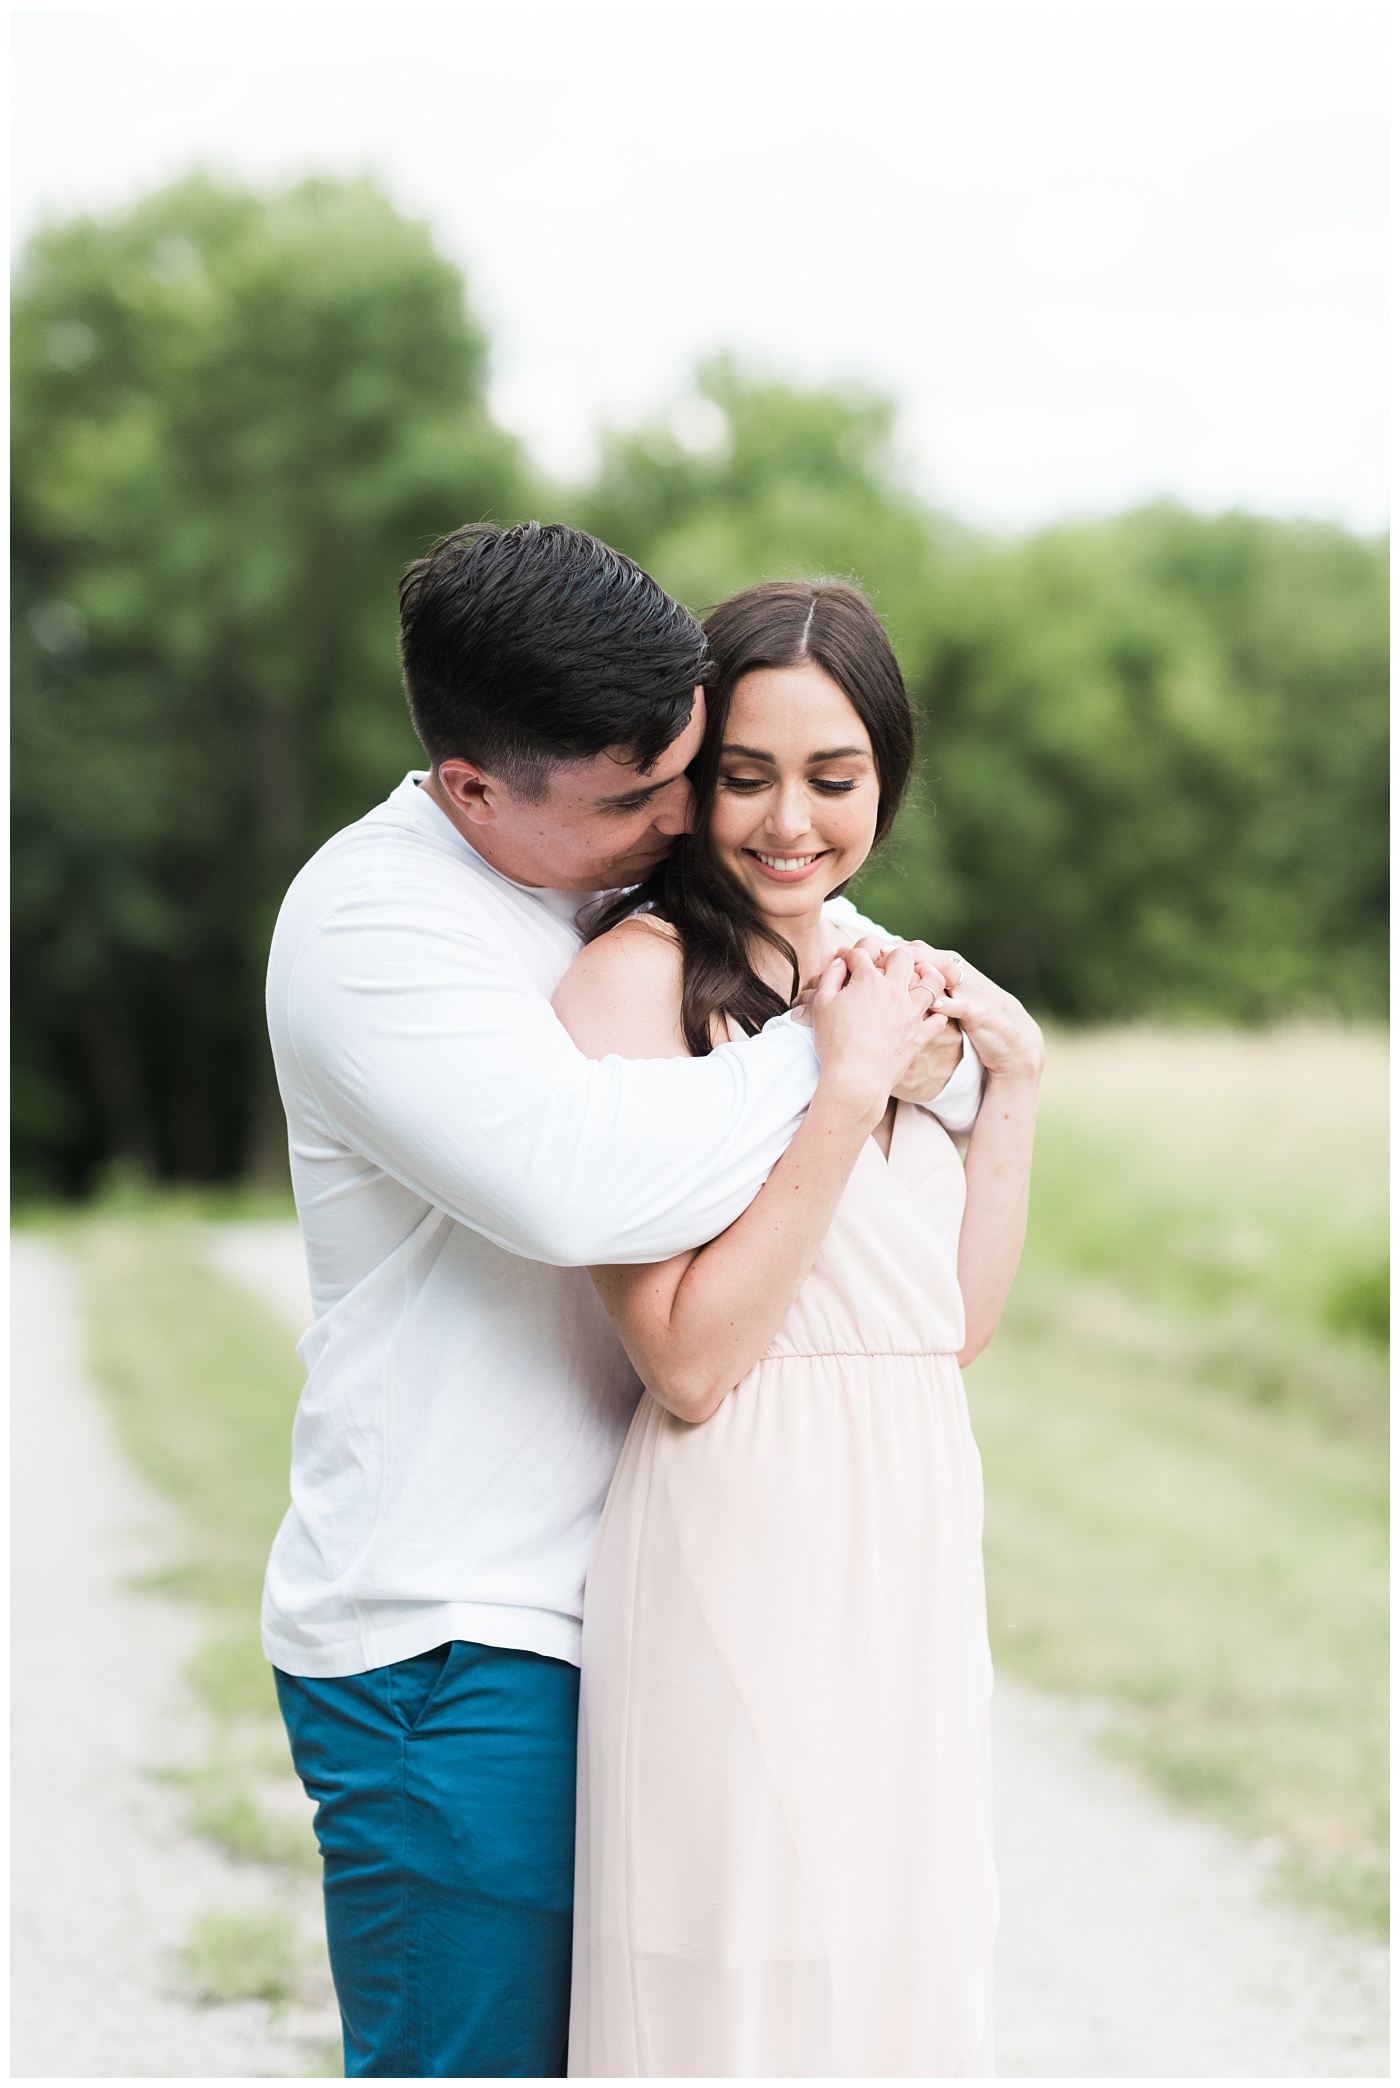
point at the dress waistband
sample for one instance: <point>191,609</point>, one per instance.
<point>845,1355</point>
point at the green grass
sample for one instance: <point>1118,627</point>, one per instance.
<point>122,1190</point>
<point>204,1385</point>
<point>239,1957</point>
<point>1183,1425</point>
<point>224,1808</point>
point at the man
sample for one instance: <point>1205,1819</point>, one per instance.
<point>457,1166</point>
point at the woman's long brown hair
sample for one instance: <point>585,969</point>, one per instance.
<point>779,624</point>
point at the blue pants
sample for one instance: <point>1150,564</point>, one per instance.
<point>444,1789</point>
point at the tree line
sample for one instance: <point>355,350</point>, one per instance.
<point>1152,775</point>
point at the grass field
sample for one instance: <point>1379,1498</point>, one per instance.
<point>1183,1423</point>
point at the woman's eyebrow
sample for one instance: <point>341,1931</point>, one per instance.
<point>827,754</point>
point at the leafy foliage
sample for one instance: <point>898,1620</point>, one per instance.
<point>789,484</point>
<point>1159,746</point>
<point>1153,772</point>
<point>1153,748</point>
<point>235,419</point>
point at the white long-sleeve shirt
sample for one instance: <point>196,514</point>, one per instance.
<point>458,1164</point>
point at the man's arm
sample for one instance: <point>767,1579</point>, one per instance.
<point>426,1048</point>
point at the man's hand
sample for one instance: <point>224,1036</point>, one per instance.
<point>934,1063</point>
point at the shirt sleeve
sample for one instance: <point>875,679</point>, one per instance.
<point>427,1048</point>
<point>958,1101</point>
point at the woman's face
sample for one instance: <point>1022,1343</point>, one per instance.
<point>798,796</point>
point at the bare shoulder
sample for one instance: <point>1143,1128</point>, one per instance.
<point>623,993</point>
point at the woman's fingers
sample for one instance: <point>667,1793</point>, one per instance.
<point>1004,1036</point>
<point>859,962</point>
<point>899,966</point>
<point>947,965</point>
<point>903,972</point>
<point>930,977</point>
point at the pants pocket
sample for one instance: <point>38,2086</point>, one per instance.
<point>413,1684</point>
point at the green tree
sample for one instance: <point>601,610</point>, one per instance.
<point>1152,770</point>
<point>235,419</point>
<point>1155,769</point>
<point>754,480</point>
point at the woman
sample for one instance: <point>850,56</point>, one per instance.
<point>785,1859</point>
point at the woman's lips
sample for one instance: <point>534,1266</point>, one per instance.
<point>786,869</point>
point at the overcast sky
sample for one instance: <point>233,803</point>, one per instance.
<point>1096,251</point>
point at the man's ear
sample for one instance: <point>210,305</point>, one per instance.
<point>469,789</point>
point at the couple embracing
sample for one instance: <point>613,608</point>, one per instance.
<point>651,1200</point>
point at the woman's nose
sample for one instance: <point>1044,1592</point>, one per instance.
<point>788,815</point>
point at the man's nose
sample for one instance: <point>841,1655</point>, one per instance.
<point>675,810</point>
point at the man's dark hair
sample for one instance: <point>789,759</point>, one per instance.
<point>535,645</point>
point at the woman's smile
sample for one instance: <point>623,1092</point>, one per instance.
<point>787,869</point>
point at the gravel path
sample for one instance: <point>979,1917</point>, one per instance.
<point>106,1880</point>
<point>1134,1941</point>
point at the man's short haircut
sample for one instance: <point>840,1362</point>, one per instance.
<point>527,647</point>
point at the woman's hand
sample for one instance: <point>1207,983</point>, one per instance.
<point>940,1047</point>
<point>867,1018</point>
<point>1006,1039</point>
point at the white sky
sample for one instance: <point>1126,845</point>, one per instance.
<point>1096,251</point>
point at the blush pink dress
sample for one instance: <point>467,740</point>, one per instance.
<point>784,1827</point>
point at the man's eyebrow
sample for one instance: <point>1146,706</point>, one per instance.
<point>827,753</point>
<point>630,797</point>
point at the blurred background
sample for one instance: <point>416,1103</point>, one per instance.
<point>1058,326</point>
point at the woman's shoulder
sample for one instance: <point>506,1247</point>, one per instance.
<point>643,944</point>
<point>622,993</point>
<point>639,930</point>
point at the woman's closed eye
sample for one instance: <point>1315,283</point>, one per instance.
<point>747,786</point>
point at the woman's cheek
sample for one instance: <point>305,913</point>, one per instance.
<point>854,825</point>
<point>730,823</point>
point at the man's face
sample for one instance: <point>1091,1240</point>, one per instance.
<point>600,824</point>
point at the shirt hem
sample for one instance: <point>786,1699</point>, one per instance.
<point>380,1643</point>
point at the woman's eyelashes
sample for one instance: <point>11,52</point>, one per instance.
<point>747,786</point>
